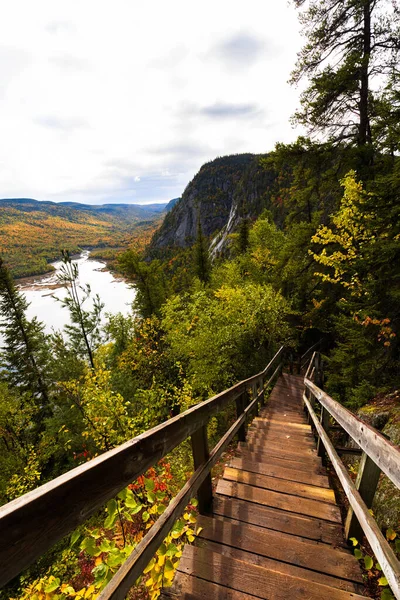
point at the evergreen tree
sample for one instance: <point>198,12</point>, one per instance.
<point>352,47</point>
<point>244,235</point>
<point>24,352</point>
<point>150,284</point>
<point>84,330</point>
<point>202,263</point>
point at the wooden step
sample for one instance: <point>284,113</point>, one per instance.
<point>280,485</point>
<point>261,437</point>
<point>279,520</point>
<point>279,429</point>
<point>294,504</point>
<point>310,477</point>
<point>309,457</point>
<point>261,421</point>
<point>247,578</point>
<point>278,459</point>
<point>282,547</point>
<point>282,567</point>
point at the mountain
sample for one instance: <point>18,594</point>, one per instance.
<point>33,232</point>
<point>223,192</point>
<point>127,211</point>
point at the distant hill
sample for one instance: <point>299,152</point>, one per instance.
<point>33,232</point>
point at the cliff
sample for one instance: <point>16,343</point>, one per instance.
<point>221,193</point>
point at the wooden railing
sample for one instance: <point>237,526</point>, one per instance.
<point>377,455</point>
<point>33,523</point>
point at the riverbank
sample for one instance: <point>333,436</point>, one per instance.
<point>43,292</point>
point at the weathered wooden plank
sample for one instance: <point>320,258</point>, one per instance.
<point>279,520</point>
<point>269,437</point>
<point>187,587</point>
<point>281,429</point>
<point>385,555</point>
<point>282,567</point>
<point>283,417</point>
<point>383,453</point>
<point>312,465</point>
<point>303,455</point>
<point>291,474</point>
<point>282,547</point>
<point>295,504</point>
<point>280,485</point>
<point>298,426</point>
<point>248,578</point>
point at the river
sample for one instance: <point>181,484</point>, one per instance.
<point>114,292</point>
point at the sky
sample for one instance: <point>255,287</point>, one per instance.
<point>123,101</point>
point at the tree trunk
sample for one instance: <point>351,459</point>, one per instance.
<point>364,135</point>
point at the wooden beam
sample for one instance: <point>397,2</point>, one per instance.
<point>366,483</point>
<point>383,552</point>
<point>384,454</point>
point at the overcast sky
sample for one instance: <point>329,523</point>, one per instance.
<point>123,101</point>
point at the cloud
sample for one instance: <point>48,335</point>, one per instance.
<point>66,124</point>
<point>241,49</point>
<point>182,149</point>
<point>57,27</point>
<point>12,63</point>
<point>68,62</point>
<point>105,100</point>
<point>225,110</point>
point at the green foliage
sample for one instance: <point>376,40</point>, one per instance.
<point>350,45</point>
<point>150,283</point>
<point>33,233</point>
<point>223,335</point>
<point>25,350</point>
<point>202,264</point>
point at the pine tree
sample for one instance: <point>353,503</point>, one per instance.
<point>150,283</point>
<point>84,330</point>
<point>244,231</point>
<point>25,351</point>
<point>202,263</point>
<point>353,46</point>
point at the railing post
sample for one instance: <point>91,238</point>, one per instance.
<point>366,483</point>
<point>241,403</point>
<point>254,395</point>
<point>200,456</point>
<point>262,398</point>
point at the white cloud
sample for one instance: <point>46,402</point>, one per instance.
<point>117,101</point>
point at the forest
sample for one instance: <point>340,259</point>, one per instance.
<point>32,233</point>
<point>317,259</point>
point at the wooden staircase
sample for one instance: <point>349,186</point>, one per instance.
<point>276,530</point>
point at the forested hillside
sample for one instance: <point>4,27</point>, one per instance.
<point>33,233</point>
<point>295,246</point>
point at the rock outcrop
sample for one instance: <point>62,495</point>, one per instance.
<point>223,192</point>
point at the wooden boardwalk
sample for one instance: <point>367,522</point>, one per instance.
<point>276,531</point>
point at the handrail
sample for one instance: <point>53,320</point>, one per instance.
<point>67,501</point>
<point>378,455</point>
<point>314,347</point>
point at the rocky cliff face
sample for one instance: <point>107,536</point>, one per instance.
<point>223,191</point>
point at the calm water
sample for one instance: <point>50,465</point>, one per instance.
<point>115,293</point>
